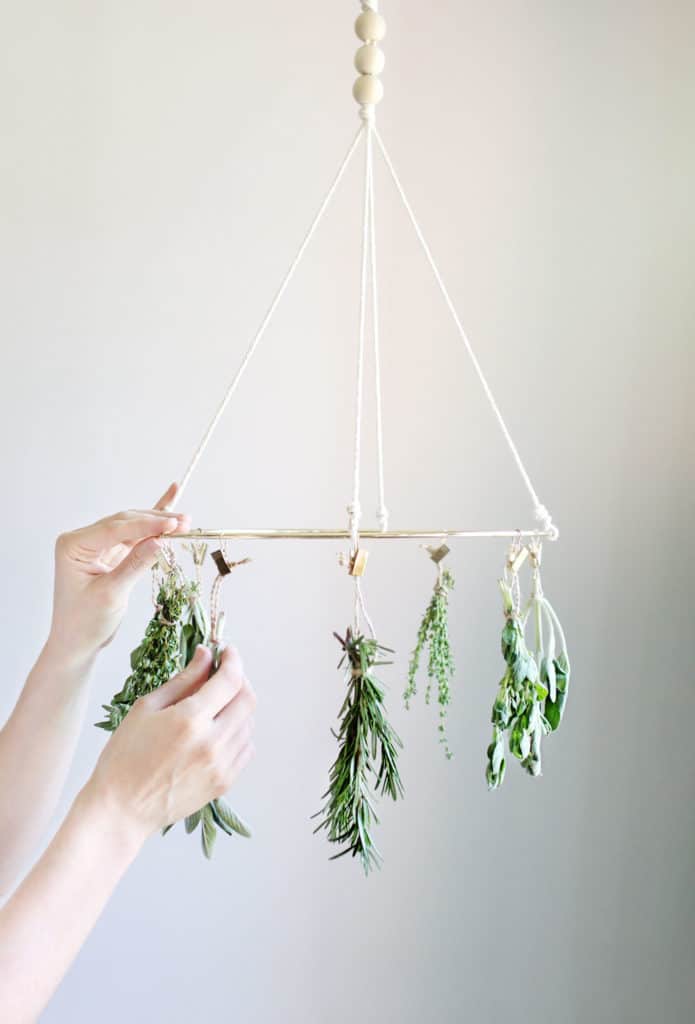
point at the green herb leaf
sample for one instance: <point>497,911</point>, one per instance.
<point>434,634</point>
<point>367,756</point>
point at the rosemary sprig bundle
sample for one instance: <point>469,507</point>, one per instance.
<point>179,625</point>
<point>367,755</point>
<point>434,633</point>
<point>518,707</point>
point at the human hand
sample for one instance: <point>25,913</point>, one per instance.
<point>96,568</point>
<point>179,747</point>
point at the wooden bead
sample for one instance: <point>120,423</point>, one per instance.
<point>370,27</point>
<point>368,90</point>
<point>370,60</point>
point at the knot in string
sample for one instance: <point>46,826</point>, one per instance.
<point>354,511</point>
<point>366,113</point>
<point>543,516</point>
<point>382,518</point>
<point>370,5</point>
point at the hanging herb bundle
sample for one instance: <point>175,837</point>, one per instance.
<point>518,707</point>
<point>554,664</point>
<point>533,691</point>
<point>217,814</point>
<point>157,658</point>
<point>434,633</point>
<point>367,755</point>
<point>179,625</point>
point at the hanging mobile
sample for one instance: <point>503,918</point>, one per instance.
<point>434,633</point>
<point>533,691</point>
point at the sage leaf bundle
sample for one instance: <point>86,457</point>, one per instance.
<point>518,708</point>
<point>554,663</point>
<point>366,763</point>
<point>434,634</point>
<point>551,646</point>
<point>217,814</point>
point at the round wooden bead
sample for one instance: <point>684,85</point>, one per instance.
<point>370,60</point>
<point>368,90</point>
<point>370,27</point>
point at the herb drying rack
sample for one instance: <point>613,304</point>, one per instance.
<point>532,693</point>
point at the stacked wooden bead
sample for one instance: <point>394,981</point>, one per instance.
<point>369,59</point>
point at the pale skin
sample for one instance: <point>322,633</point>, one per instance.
<point>177,749</point>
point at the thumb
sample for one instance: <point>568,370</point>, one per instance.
<point>186,683</point>
<point>135,565</point>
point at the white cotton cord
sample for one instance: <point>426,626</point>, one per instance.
<point>361,608</point>
<point>354,508</point>
<point>266,320</point>
<point>370,5</point>
<point>540,511</point>
<point>382,512</point>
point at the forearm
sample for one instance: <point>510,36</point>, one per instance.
<point>45,923</point>
<point>36,748</point>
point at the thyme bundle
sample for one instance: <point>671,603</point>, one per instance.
<point>179,625</point>
<point>367,755</point>
<point>434,633</point>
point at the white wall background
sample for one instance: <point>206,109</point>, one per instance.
<point>159,163</point>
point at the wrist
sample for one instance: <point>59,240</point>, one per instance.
<point>100,811</point>
<point>66,657</point>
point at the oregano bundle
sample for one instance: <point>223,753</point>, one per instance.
<point>367,756</point>
<point>178,626</point>
<point>157,658</point>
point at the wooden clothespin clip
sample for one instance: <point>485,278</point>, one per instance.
<point>164,563</point>
<point>516,560</point>
<point>358,562</point>
<point>437,554</point>
<point>198,552</point>
<point>224,567</point>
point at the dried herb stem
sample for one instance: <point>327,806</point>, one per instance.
<point>366,763</point>
<point>434,634</point>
